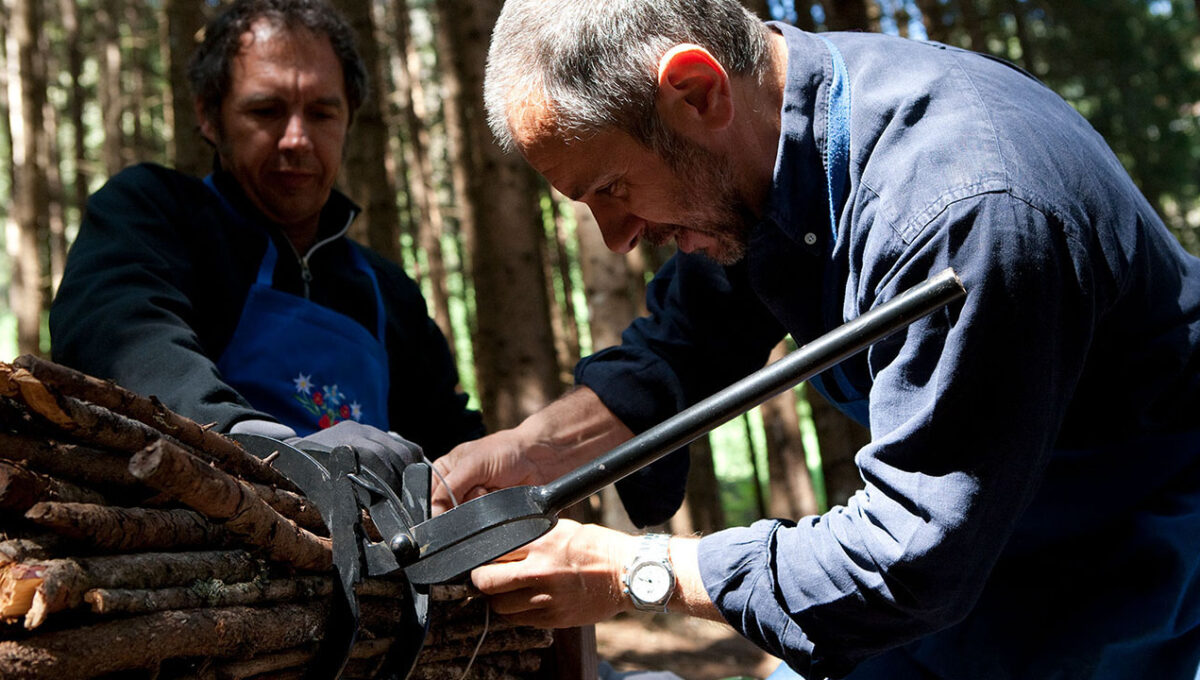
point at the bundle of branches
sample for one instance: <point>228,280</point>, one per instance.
<point>135,542</point>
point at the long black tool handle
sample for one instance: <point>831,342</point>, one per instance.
<point>802,364</point>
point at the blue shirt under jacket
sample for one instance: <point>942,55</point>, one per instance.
<point>1031,500</point>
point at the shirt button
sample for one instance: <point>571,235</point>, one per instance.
<point>810,238</point>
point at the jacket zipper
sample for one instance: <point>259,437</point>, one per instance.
<point>306,272</point>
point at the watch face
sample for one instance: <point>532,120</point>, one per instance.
<point>650,582</point>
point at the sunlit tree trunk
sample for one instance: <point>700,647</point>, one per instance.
<point>840,439</point>
<point>612,301</point>
<point>514,345</point>
<point>702,510</point>
<point>30,209</point>
<point>182,20</point>
<point>364,173</point>
<point>791,486</point>
<point>75,98</point>
<point>109,45</point>
<point>410,93</point>
<point>558,276</point>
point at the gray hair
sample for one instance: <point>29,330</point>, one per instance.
<point>593,64</point>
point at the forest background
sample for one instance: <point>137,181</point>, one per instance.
<point>514,274</point>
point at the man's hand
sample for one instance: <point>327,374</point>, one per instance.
<point>572,577</point>
<point>385,453</point>
<point>569,577</point>
<point>566,434</point>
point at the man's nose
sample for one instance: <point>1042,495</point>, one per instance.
<point>620,228</point>
<point>295,135</point>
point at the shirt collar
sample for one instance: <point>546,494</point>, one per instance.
<point>797,203</point>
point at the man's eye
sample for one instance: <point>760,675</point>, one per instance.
<point>607,189</point>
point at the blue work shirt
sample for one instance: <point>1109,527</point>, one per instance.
<point>1031,500</point>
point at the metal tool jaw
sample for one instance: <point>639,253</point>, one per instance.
<point>341,488</point>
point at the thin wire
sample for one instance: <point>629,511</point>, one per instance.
<point>486,618</point>
<point>487,611</point>
<point>453,500</point>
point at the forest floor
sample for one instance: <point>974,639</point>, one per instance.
<point>693,649</point>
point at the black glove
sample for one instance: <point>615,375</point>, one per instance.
<point>385,453</point>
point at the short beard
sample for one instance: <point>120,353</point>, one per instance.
<point>708,185</point>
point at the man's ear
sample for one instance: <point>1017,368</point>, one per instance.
<point>207,130</point>
<point>694,91</point>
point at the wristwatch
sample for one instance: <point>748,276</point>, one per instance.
<point>649,579</point>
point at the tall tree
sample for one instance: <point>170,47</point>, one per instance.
<point>514,344</point>
<point>73,39</point>
<point>109,39</point>
<point>182,21</point>
<point>410,98</point>
<point>365,176</point>
<point>30,207</point>
<point>791,486</point>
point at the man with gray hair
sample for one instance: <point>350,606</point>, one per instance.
<point>1032,485</point>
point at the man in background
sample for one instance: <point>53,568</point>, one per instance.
<point>238,300</point>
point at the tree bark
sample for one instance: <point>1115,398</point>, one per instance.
<point>21,489</point>
<point>516,370</point>
<point>128,529</point>
<point>792,495</point>
<point>182,21</point>
<point>216,495</point>
<point>91,651</point>
<point>364,174</point>
<point>30,202</point>
<point>840,439</point>
<point>216,594</point>
<point>109,44</point>
<point>422,187</point>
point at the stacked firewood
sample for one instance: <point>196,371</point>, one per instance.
<point>137,543</point>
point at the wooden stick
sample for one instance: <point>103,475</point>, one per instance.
<point>129,529</point>
<point>61,584</point>
<point>172,470</point>
<point>147,641</point>
<point>207,594</point>
<point>20,489</point>
<point>32,547</point>
<point>152,412</point>
<point>88,466</point>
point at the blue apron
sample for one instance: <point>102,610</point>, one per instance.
<point>307,365</point>
<point>837,162</point>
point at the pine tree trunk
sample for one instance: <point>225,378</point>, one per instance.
<point>76,95</point>
<point>612,303</point>
<point>182,20</point>
<point>514,344</point>
<point>109,44</point>
<point>30,208</point>
<point>840,439</point>
<point>422,188</point>
<point>364,172</point>
<point>703,504</point>
<point>792,495</point>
